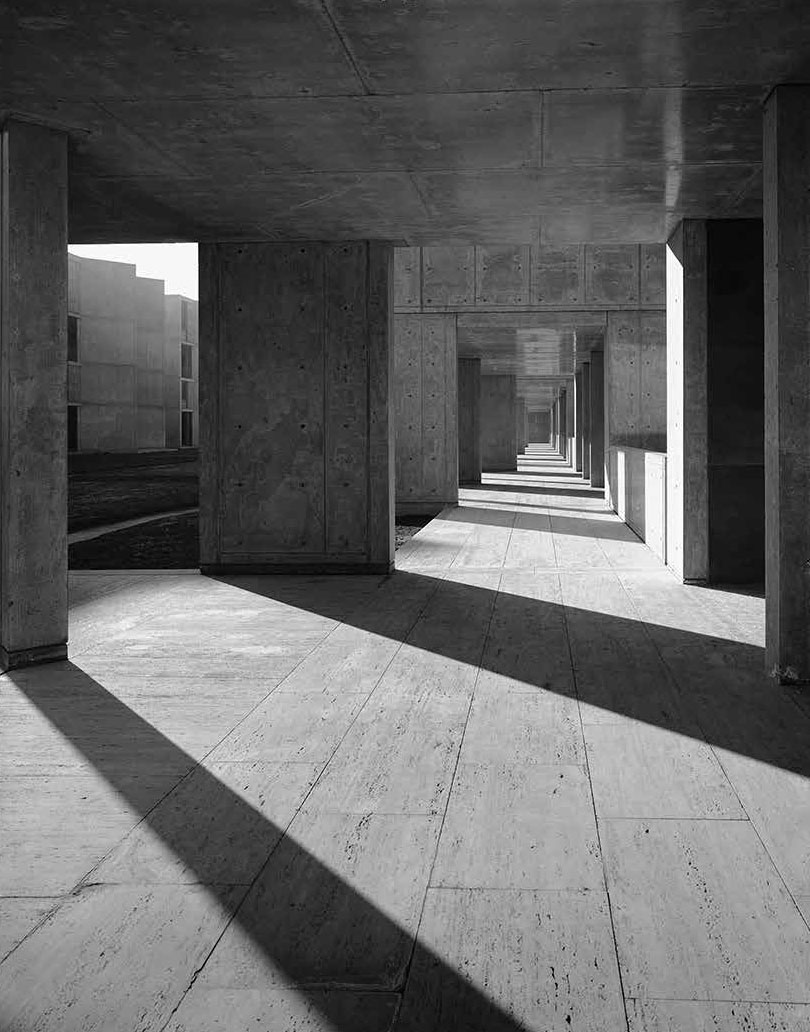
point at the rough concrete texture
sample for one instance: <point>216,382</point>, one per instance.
<point>635,346</point>
<point>469,420</point>
<point>687,423</point>
<point>33,394</point>
<point>498,439</point>
<point>596,424</point>
<point>787,426</point>
<point>426,422</point>
<point>296,446</point>
<point>456,278</point>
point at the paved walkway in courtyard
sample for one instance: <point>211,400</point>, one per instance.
<point>529,782</point>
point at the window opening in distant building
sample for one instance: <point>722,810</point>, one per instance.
<point>73,428</point>
<point>187,429</point>
<point>73,338</point>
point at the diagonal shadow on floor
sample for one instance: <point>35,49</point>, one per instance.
<point>702,685</point>
<point>697,685</point>
<point>327,939</point>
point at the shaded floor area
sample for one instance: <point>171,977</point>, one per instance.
<point>529,782</point>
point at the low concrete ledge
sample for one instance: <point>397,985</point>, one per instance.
<point>637,491</point>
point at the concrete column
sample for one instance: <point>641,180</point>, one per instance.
<point>33,395</point>
<point>586,420</point>
<point>552,425</point>
<point>564,409</point>
<point>469,420</point>
<point>296,425</point>
<point>425,413</point>
<point>787,383</point>
<point>578,421</point>
<point>687,403</point>
<point>570,423</point>
<point>498,438</point>
<point>715,398</point>
<point>597,419</point>
<point>520,424</point>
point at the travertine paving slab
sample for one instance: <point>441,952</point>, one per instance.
<point>531,544</point>
<point>337,905</point>
<point>19,915</point>
<point>526,962</point>
<point>292,727</point>
<point>691,1016</point>
<point>619,671</point>
<point>640,770</point>
<point>778,804</point>
<point>398,757</point>
<point>576,551</point>
<point>56,828</point>
<point>523,827</point>
<point>112,956</point>
<point>676,613</point>
<point>217,827</point>
<point>701,913</point>
<point>512,727</point>
<point>527,641</point>
<point>284,1010</point>
<point>486,547</point>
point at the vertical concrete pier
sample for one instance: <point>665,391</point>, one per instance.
<point>425,413</point>
<point>469,420</point>
<point>296,435</point>
<point>787,382</point>
<point>586,420</point>
<point>715,397</point>
<point>578,414</point>
<point>33,395</point>
<point>597,418</point>
<point>498,437</point>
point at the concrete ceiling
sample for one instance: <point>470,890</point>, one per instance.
<point>433,121</point>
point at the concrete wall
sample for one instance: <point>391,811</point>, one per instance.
<point>498,434</point>
<point>636,380</point>
<point>127,380</point>
<point>539,427</point>
<point>637,491</point>
<point>521,277</point>
<point>296,441</point>
<point>425,413</point>
<point>736,398</point>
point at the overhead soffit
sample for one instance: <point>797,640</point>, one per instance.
<point>440,121</point>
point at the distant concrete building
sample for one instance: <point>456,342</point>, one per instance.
<point>132,361</point>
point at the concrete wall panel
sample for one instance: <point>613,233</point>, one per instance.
<point>653,265</point>
<point>426,413</point>
<point>408,278</point>
<point>107,428</point>
<point>345,401</point>
<point>502,275</point>
<point>149,427</point>
<point>498,436</point>
<point>636,379</point>
<point>294,362</point>
<point>612,274</point>
<point>271,400</point>
<point>149,387</point>
<point>448,277</point>
<point>557,275</point>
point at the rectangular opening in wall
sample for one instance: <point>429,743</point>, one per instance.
<point>132,430</point>
<point>187,361</point>
<point>73,338</point>
<point>73,428</point>
<point>187,429</point>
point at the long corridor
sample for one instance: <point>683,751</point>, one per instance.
<point>528,782</point>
